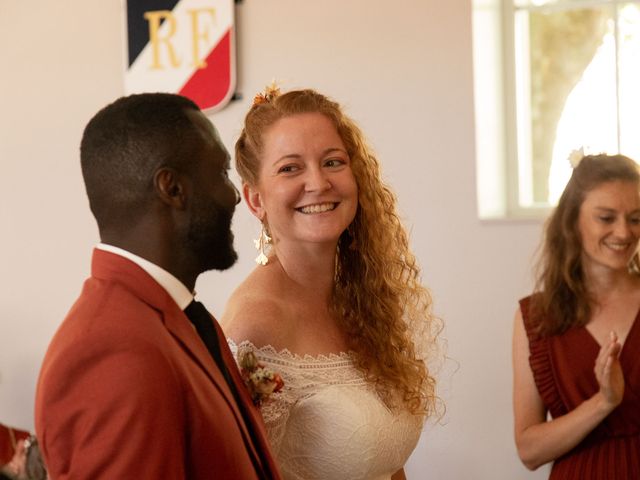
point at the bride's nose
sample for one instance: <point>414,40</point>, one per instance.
<point>316,180</point>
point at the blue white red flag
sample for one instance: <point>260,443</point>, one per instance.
<point>181,46</point>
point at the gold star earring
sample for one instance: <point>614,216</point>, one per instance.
<point>261,243</point>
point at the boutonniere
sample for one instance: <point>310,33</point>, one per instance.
<point>260,380</point>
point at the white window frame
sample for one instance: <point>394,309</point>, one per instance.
<point>498,144</point>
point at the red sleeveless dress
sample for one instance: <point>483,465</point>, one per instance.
<point>562,367</point>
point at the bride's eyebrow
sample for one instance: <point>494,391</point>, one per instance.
<point>290,156</point>
<point>334,149</point>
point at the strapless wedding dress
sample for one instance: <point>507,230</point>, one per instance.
<point>328,423</point>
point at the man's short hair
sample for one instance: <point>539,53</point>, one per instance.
<point>125,143</point>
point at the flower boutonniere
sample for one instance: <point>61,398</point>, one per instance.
<point>260,380</point>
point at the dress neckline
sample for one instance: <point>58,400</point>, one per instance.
<point>632,329</point>
<point>286,354</point>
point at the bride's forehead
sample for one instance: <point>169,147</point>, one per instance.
<point>309,133</point>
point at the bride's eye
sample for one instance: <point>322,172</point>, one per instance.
<point>334,162</point>
<point>287,168</point>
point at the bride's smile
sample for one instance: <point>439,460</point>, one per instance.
<point>306,190</point>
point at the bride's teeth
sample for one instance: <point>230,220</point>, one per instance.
<point>323,207</point>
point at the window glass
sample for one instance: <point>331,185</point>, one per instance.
<point>577,71</point>
<point>538,3</point>
<point>629,64</point>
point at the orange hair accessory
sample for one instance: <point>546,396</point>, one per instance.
<point>270,92</point>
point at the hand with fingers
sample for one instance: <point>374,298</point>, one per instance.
<point>16,467</point>
<point>609,374</point>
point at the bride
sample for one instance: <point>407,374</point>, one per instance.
<point>335,307</point>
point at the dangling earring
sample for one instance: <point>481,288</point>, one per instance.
<point>262,241</point>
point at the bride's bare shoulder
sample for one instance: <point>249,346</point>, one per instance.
<point>258,313</point>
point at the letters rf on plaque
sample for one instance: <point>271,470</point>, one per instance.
<point>184,47</point>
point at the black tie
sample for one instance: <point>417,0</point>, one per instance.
<point>203,322</point>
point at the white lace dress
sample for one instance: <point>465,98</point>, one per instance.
<point>328,423</point>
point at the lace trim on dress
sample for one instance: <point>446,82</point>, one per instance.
<point>306,371</point>
<point>303,376</point>
<point>268,350</point>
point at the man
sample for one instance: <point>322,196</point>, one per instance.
<point>129,388</point>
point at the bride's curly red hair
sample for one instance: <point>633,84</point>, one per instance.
<point>384,308</point>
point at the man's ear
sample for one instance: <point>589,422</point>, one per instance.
<point>254,200</point>
<point>169,185</point>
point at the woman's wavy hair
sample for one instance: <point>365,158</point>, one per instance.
<point>562,299</point>
<point>378,295</point>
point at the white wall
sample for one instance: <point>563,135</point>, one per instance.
<point>404,71</point>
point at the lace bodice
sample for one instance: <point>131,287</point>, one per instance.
<point>328,422</point>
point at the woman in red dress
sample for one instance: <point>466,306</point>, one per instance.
<point>576,339</point>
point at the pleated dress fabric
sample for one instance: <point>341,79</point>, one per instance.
<point>562,367</point>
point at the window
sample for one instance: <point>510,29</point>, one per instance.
<point>551,76</point>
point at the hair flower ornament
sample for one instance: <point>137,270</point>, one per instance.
<point>260,380</point>
<point>270,92</point>
<point>576,156</point>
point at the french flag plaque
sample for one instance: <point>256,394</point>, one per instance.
<point>181,46</point>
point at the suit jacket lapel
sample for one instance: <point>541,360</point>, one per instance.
<point>180,327</point>
<point>113,267</point>
<point>252,413</point>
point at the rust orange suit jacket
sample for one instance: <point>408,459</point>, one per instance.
<point>128,390</point>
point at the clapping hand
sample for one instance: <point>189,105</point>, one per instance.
<point>16,467</point>
<point>609,372</point>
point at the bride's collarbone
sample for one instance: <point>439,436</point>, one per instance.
<point>276,317</point>
<point>308,331</point>
<point>315,335</point>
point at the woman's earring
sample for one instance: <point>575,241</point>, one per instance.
<point>261,243</point>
